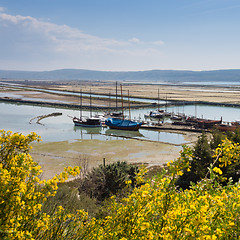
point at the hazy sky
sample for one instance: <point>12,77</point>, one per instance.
<point>119,35</point>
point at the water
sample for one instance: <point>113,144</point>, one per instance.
<point>17,119</point>
<point>213,83</point>
<point>228,114</point>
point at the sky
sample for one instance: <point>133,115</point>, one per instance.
<point>119,35</point>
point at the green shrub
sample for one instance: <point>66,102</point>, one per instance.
<point>104,181</point>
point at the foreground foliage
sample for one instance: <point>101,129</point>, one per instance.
<point>21,191</point>
<point>154,210</point>
<point>203,155</point>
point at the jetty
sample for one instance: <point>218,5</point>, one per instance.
<point>171,127</point>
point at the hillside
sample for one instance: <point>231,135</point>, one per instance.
<point>232,75</point>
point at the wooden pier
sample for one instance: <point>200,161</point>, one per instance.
<point>170,127</point>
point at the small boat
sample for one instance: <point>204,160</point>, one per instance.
<point>122,124</point>
<point>87,122</point>
<point>154,114</point>
<point>116,114</point>
<point>176,117</point>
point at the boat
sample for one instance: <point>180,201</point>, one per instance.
<point>115,114</point>
<point>154,114</point>
<point>86,121</point>
<point>207,123</point>
<point>203,123</point>
<point>177,117</point>
<point>158,114</point>
<point>122,124</point>
<point>230,126</point>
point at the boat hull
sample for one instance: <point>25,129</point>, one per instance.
<point>87,122</point>
<point>114,123</point>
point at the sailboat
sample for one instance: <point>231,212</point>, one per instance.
<point>122,124</point>
<point>86,121</point>
<point>158,114</point>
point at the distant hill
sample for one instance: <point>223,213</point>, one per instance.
<point>232,75</point>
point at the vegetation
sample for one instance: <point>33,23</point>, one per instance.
<point>203,155</point>
<point>22,192</point>
<point>154,209</point>
<point>105,181</point>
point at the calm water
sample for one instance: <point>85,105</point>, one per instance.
<point>215,83</point>
<point>228,114</point>
<point>17,119</point>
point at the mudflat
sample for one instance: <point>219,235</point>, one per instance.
<point>212,94</point>
<point>54,156</point>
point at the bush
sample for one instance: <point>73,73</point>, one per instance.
<point>104,181</point>
<point>22,192</point>
<point>202,156</point>
<point>152,210</point>
<point>155,210</point>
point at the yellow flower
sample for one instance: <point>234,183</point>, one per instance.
<point>217,170</point>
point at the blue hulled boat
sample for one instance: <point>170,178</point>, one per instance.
<point>122,124</point>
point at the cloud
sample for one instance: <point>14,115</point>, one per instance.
<point>37,41</point>
<point>2,9</point>
<point>134,40</point>
<point>158,43</point>
<point>61,37</point>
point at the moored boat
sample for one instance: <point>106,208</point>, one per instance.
<point>87,122</point>
<point>207,123</point>
<point>122,124</point>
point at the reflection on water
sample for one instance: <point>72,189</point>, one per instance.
<point>124,133</point>
<point>88,130</point>
<point>88,133</point>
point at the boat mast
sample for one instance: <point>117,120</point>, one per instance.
<point>195,109</point>
<point>116,98</point>
<point>80,104</point>
<point>166,104</point>
<point>158,99</point>
<point>109,104</point>
<point>122,101</point>
<point>129,106</point>
<point>90,103</point>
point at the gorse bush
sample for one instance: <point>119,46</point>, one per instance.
<point>21,191</point>
<point>154,209</point>
<point>202,156</point>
